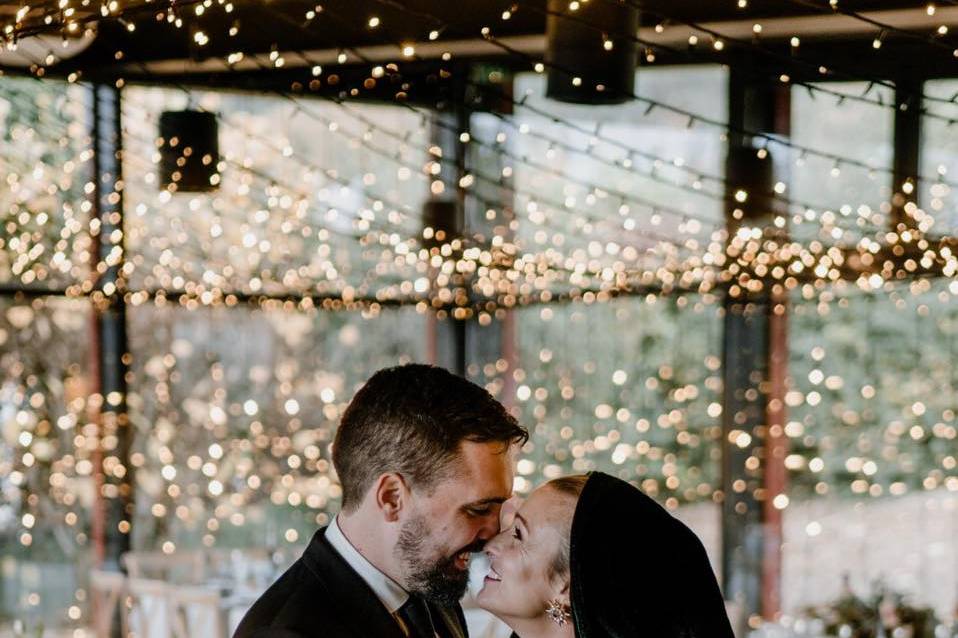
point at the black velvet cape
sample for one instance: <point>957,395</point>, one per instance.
<point>638,572</point>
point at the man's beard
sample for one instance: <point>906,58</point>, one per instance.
<point>436,579</point>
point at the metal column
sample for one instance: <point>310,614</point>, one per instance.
<point>755,356</point>
<point>907,146</point>
<point>445,214</point>
<point>114,474</point>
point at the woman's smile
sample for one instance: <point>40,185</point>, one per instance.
<point>493,576</point>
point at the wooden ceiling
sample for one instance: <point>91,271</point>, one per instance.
<point>157,52</point>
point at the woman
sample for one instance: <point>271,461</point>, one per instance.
<point>593,557</point>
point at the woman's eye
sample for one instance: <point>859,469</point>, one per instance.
<point>516,534</point>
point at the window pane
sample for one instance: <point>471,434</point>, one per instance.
<point>840,193</point>
<point>627,171</point>
<point>45,154</point>
<point>872,431</point>
<point>46,489</point>
<point>236,408</point>
<point>939,157</point>
<point>632,386</point>
<point>870,419</point>
<point>310,199</point>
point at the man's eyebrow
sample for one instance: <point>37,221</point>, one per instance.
<point>494,500</point>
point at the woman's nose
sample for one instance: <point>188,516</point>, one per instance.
<point>507,513</point>
<point>493,546</point>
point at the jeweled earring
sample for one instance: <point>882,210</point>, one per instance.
<point>559,613</point>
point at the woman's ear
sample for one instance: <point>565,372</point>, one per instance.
<point>561,587</point>
<point>391,496</point>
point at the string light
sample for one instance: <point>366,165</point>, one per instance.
<point>783,79</point>
<point>764,137</point>
<point>655,419</point>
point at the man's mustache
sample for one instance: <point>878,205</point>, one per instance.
<point>472,548</point>
<point>476,546</point>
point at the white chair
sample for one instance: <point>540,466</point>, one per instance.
<point>148,608</point>
<point>196,611</point>
<point>106,590</point>
<point>185,566</point>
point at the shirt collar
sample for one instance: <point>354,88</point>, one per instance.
<point>389,592</point>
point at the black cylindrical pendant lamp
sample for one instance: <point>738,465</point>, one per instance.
<point>189,151</point>
<point>591,51</point>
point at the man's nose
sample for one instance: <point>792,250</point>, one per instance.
<point>490,527</point>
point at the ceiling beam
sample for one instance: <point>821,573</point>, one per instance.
<point>811,27</point>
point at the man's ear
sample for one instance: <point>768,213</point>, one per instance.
<point>391,496</point>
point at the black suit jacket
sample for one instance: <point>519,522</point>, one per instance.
<point>320,596</point>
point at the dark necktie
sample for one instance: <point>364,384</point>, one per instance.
<point>415,613</point>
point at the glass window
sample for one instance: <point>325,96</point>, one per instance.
<point>871,424</point>
<point>45,156</point>
<point>46,484</point>
<point>869,418</point>
<point>235,409</point>
<point>632,386</point>
<point>840,194</point>
<point>627,171</point>
<point>312,195</point>
<point>939,157</point>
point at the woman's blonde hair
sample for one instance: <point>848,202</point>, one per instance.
<point>572,487</point>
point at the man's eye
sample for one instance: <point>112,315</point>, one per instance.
<point>482,511</point>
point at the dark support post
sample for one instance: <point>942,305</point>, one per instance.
<point>908,91</point>
<point>445,214</point>
<point>491,347</point>
<point>482,344</point>
<point>754,367</point>
<point>776,449</point>
<point>114,474</point>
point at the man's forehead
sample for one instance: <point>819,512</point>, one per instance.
<point>485,459</point>
<point>483,473</point>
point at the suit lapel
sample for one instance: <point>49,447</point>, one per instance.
<point>348,593</point>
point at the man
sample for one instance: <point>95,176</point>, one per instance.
<point>425,459</point>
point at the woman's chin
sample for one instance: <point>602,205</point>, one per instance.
<point>485,599</point>
<point>482,597</point>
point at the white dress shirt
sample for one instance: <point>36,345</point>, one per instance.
<point>389,592</point>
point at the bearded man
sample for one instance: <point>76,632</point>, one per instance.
<point>425,460</point>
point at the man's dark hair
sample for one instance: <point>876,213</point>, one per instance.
<point>411,420</point>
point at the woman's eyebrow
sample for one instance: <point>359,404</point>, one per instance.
<point>522,520</point>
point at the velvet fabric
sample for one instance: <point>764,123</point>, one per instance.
<point>637,571</point>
